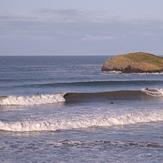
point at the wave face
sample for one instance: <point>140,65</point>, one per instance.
<point>128,95</point>
<point>123,95</point>
<point>80,122</point>
<point>32,100</point>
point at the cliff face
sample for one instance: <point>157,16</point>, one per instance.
<point>134,63</point>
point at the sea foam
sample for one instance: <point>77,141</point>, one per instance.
<point>153,92</point>
<point>32,100</point>
<point>67,124</point>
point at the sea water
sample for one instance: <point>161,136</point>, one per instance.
<point>64,109</point>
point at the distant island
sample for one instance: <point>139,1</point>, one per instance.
<point>138,62</point>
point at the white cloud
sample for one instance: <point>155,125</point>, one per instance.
<point>98,38</point>
<point>75,30</point>
<point>62,15</point>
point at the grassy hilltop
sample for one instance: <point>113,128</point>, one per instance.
<point>134,63</point>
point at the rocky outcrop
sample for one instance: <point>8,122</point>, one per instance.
<point>134,63</point>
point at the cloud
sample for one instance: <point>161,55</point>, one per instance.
<point>72,30</point>
<point>59,23</point>
<point>98,38</point>
<point>50,23</point>
<point>62,15</point>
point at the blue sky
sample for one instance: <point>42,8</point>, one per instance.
<point>80,27</point>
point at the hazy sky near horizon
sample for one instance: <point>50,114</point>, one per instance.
<point>80,27</point>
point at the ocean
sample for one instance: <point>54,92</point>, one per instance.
<point>64,109</point>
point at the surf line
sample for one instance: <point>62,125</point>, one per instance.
<point>109,74</point>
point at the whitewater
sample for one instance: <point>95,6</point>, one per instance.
<point>77,123</point>
<point>32,100</point>
<point>64,109</point>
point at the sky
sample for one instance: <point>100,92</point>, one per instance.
<point>80,27</point>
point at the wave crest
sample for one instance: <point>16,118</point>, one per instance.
<point>32,100</point>
<point>153,92</point>
<point>68,124</point>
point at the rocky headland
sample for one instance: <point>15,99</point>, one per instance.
<point>139,62</point>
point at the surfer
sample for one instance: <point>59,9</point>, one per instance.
<point>112,102</point>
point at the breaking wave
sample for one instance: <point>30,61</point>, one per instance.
<point>81,97</point>
<point>32,100</point>
<point>78,122</point>
<point>153,92</point>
